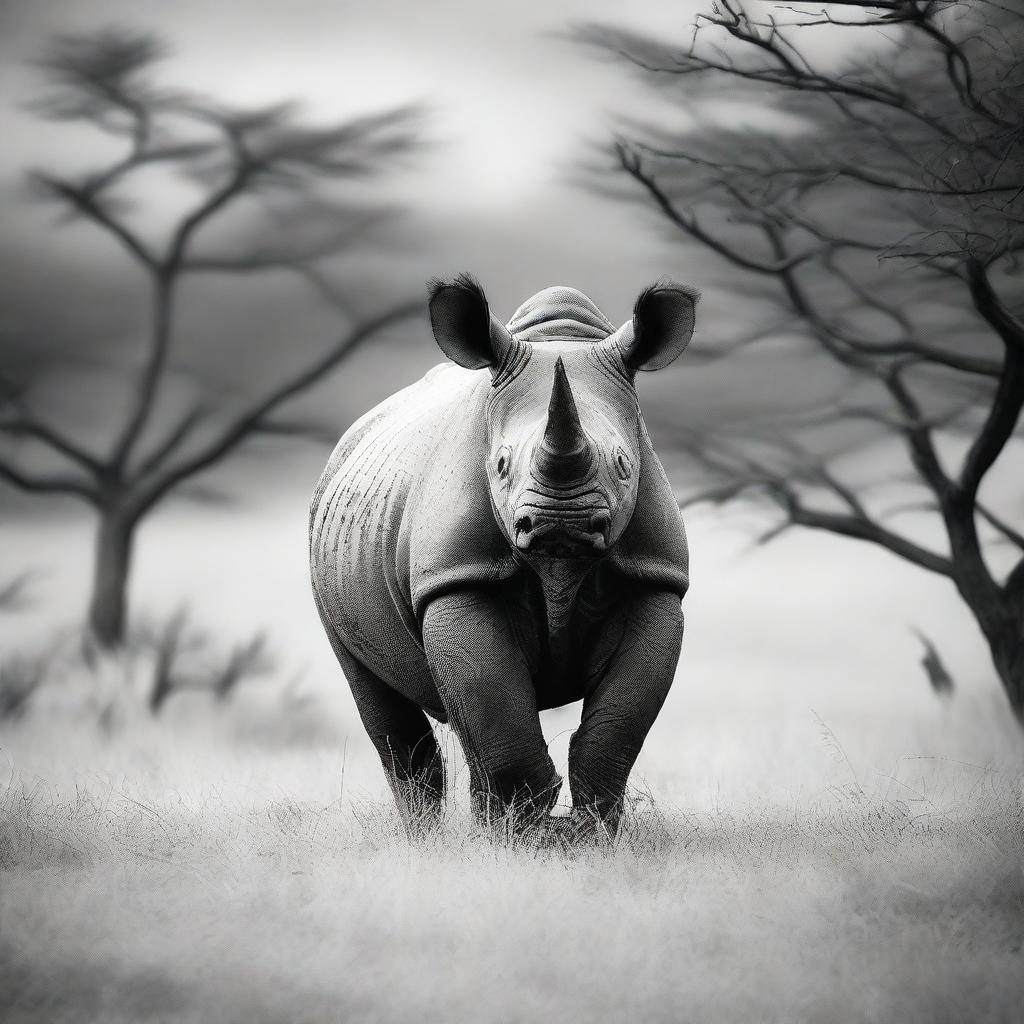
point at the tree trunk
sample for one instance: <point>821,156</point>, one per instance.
<point>1008,656</point>
<point>998,613</point>
<point>1002,624</point>
<point>107,606</point>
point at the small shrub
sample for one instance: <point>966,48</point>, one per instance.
<point>186,659</point>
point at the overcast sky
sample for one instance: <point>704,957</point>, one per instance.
<point>512,103</point>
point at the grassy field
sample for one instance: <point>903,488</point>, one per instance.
<point>208,874</point>
<point>814,837</point>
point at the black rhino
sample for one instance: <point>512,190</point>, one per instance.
<point>499,538</point>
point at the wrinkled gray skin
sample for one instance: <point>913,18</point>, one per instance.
<point>500,538</point>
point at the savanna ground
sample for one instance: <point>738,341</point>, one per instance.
<point>794,851</point>
<point>185,880</point>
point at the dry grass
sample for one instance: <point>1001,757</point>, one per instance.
<point>179,881</point>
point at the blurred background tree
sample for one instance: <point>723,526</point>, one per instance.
<point>859,167</point>
<point>222,168</point>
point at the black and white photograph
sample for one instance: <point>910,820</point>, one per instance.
<point>512,513</point>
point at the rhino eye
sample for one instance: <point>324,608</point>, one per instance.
<point>622,465</point>
<point>504,459</point>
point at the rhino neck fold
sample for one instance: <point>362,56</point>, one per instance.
<point>560,580</point>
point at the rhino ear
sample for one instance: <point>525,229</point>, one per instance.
<point>661,328</point>
<point>464,328</point>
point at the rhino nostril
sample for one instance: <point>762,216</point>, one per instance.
<point>524,524</point>
<point>601,522</point>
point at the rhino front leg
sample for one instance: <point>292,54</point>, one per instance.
<point>622,707</point>
<point>485,685</point>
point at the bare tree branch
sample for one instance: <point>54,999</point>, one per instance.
<point>918,434</point>
<point>1012,535</point>
<point>1005,409</point>
<point>46,484</point>
<point>25,425</point>
<point>256,416</point>
<point>692,227</point>
<point>810,175</point>
<point>144,393</point>
<point>89,206</point>
<point>744,473</point>
<point>173,440</point>
<point>861,529</point>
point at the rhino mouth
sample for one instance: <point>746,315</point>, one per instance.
<point>563,536</point>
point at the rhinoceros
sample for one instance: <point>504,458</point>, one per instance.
<point>500,538</point>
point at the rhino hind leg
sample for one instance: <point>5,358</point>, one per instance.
<point>404,740</point>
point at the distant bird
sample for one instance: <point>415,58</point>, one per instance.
<point>938,675</point>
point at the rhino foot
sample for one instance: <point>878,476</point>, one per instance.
<point>573,832</point>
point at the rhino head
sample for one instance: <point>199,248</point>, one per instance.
<point>563,430</point>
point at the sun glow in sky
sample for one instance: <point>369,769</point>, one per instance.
<point>510,99</point>
<point>512,104</point>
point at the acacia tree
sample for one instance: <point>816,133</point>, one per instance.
<point>877,204</point>
<point>231,159</point>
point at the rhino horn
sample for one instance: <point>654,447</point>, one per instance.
<point>564,453</point>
